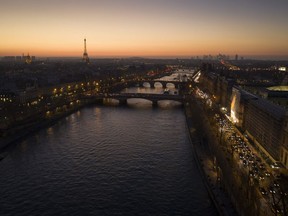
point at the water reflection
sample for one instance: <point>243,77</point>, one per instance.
<point>156,90</point>
<point>50,130</point>
<point>107,161</point>
<point>144,103</point>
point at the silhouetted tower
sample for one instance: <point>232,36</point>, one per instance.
<point>28,59</point>
<point>85,54</point>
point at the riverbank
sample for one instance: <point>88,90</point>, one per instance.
<point>203,152</point>
<point>106,160</point>
<point>230,178</point>
<point>33,127</point>
<point>205,163</point>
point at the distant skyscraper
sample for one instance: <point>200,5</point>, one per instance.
<point>236,57</point>
<point>85,54</point>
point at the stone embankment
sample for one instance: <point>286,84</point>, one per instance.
<point>232,188</point>
<point>204,161</point>
<point>17,134</point>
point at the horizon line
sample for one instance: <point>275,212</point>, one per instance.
<point>195,57</point>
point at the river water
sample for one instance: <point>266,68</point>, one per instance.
<point>106,160</point>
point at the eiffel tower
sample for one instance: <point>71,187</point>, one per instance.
<point>85,54</point>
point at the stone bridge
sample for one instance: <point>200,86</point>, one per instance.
<point>123,97</point>
<point>154,98</point>
<point>117,87</point>
<point>177,84</point>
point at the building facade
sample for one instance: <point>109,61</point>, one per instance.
<point>264,123</point>
<point>239,103</point>
<point>284,147</point>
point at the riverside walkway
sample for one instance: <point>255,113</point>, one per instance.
<point>204,161</point>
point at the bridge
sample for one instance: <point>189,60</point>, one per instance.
<point>132,83</point>
<point>112,91</point>
<point>123,97</point>
<point>162,82</point>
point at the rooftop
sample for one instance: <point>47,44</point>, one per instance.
<point>278,88</point>
<point>277,111</point>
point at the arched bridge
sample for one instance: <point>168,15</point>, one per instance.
<point>116,87</point>
<point>123,97</point>
<point>164,83</point>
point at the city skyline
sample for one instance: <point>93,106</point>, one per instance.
<point>159,28</point>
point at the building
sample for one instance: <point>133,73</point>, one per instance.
<point>8,58</point>
<point>239,102</point>
<point>284,147</point>
<point>27,59</point>
<point>219,87</point>
<point>264,124</point>
<point>276,94</point>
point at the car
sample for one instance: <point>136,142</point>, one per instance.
<point>276,184</point>
<point>251,161</point>
<point>258,160</point>
<point>254,165</point>
<point>262,166</point>
<point>263,191</point>
<point>276,208</point>
<point>243,151</point>
<point>261,177</point>
<point>245,163</point>
<point>272,190</point>
<point>247,157</point>
<point>275,165</point>
<point>255,170</point>
<point>267,174</point>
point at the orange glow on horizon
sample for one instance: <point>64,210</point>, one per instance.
<point>190,49</point>
<point>142,28</point>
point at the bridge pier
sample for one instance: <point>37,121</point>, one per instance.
<point>99,101</point>
<point>123,102</point>
<point>154,98</point>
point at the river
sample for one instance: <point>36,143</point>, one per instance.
<point>106,160</point>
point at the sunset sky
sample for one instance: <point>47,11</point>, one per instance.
<point>144,27</point>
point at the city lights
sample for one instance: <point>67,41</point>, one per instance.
<point>156,89</point>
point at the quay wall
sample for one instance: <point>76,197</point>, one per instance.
<point>35,126</point>
<point>193,137</point>
<point>241,191</point>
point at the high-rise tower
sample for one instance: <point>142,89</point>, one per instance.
<point>85,54</point>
